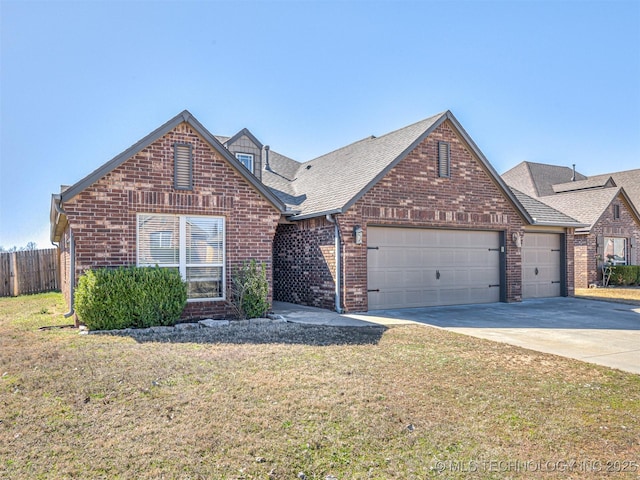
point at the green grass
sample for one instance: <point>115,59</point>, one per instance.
<point>410,402</point>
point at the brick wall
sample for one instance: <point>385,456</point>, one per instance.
<point>581,257</point>
<point>103,216</point>
<point>589,267</point>
<point>65,265</point>
<point>569,245</point>
<point>413,194</point>
<point>304,263</point>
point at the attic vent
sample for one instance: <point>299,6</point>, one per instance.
<point>444,163</point>
<point>183,166</point>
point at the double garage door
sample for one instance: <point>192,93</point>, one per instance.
<point>410,267</point>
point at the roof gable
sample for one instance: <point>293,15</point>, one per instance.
<point>239,135</point>
<point>587,206</point>
<point>333,182</point>
<point>183,117</point>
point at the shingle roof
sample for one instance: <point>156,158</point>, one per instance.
<point>279,176</point>
<point>543,214</point>
<point>629,180</point>
<point>601,181</point>
<point>586,206</point>
<point>584,199</point>
<point>537,179</point>
<point>333,182</point>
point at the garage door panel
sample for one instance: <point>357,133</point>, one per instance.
<point>541,265</point>
<point>431,267</point>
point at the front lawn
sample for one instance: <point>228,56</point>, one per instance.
<point>630,295</point>
<point>278,401</point>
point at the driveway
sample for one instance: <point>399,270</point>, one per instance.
<point>604,333</point>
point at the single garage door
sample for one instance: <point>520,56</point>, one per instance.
<point>541,257</point>
<point>410,267</point>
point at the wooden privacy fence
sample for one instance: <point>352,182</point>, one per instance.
<point>29,271</point>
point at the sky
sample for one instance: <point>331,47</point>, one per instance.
<point>546,81</point>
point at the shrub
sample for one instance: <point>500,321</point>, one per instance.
<point>625,275</point>
<point>250,290</point>
<point>137,297</point>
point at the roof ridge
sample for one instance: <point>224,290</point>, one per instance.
<point>374,137</point>
<point>616,173</point>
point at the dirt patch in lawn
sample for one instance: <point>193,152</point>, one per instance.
<point>276,333</point>
<point>410,402</point>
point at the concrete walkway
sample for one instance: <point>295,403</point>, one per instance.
<point>604,333</point>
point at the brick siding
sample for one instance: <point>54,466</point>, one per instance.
<point>103,216</point>
<point>304,263</point>
<point>588,268</point>
<point>569,245</point>
<point>411,194</point>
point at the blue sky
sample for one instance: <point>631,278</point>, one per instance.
<point>546,81</point>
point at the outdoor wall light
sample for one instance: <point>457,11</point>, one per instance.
<point>517,239</point>
<point>357,234</point>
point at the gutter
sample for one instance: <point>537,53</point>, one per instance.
<point>338,249</point>
<point>72,260</point>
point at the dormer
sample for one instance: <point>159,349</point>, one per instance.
<point>248,150</point>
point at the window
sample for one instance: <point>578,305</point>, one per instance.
<point>182,166</point>
<point>246,159</point>
<point>616,211</point>
<point>444,164</point>
<point>194,245</point>
<point>615,250</point>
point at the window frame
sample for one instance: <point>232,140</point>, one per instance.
<point>249,156</point>
<point>182,264</point>
<point>625,241</point>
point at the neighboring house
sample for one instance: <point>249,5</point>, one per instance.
<point>605,204</point>
<point>416,217</point>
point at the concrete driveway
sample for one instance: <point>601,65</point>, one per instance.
<point>604,333</point>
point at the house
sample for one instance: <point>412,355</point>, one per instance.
<point>606,205</point>
<point>177,198</point>
<point>415,217</point>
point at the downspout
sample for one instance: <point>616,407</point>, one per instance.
<point>72,261</point>
<point>338,249</point>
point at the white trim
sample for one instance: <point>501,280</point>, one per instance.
<point>249,157</point>
<point>182,251</point>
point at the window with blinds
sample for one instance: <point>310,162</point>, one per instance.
<point>195,245</point>
<point>444,162</point>
<point>183,166</point>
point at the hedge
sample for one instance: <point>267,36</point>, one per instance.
<point>625,275</point>
<point>130,297</point>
